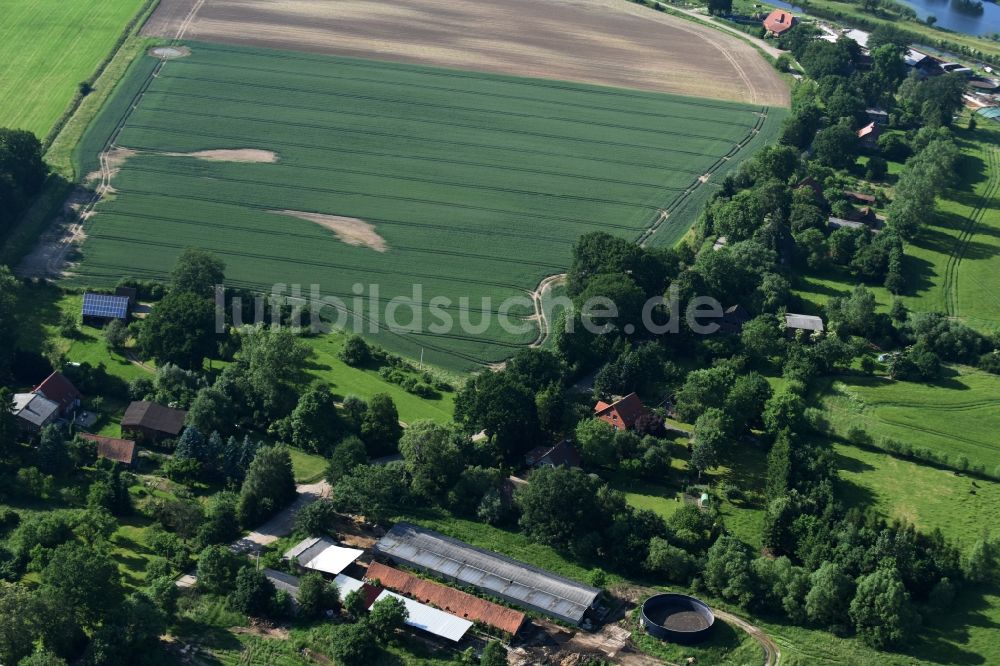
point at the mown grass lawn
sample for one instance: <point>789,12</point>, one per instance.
<point>47,48</point>
<point>956,416</point>
<point>307,467</point>
<point>345,380</point>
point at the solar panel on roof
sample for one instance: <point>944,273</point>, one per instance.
<point>105,306</point>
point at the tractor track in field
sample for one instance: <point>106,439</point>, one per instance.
<point>664,213</point>
<point>950,284</point>
<point>538,298</point>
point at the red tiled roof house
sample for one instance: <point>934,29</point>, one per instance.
<point>61,391</point>
<point>779,22</point>
<point>620,415</point>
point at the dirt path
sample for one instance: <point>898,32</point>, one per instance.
<point>772,653</point>
<point>537,297</point>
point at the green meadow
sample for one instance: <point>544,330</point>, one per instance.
<point>47,48</point>
<point>958,416</point>
<point>930,498</point>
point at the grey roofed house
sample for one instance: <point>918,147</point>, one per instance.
<point>840,223</point>
<point>283,581</point>
<point>801,322</point>
<point>491,572</point>
<point>35,410</point>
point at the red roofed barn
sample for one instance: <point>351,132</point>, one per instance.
<point>779,21</point>
<point>620,415</point>
<point>456,602</point>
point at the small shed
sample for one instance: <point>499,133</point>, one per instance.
<point>284,582</point>
<point>563,454</point>
<point>117,450</point>
<point>153,422</point>
<point>801,322</point>
<point>322,554</point>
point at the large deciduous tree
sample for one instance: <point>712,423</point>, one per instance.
<point>269,486</point>
<point>433,457</point>
<point>198,272</point>
<point>498,404</point>
<point>180,330</point>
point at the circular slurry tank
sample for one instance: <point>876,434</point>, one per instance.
<point>677,618</point>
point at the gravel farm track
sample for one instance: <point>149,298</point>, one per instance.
<point>604,42</point>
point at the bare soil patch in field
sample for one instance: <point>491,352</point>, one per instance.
<point>607,42</point>
<point>169,52</point>
<point>252,155</point>
<point>349,230</point>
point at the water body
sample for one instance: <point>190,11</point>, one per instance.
<point>954,16</point>
<point>950,14</point>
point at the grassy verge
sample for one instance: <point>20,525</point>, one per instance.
<point>307,467</point>
<point>727,646</point>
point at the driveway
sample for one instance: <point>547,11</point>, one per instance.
<point>280,524</point>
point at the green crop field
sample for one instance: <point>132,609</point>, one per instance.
<point>471,185</point>
<point>47,48</point>
<point>958,416</point>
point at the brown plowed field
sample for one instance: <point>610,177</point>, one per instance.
<point>607,42</point>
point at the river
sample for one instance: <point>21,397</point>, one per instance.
<point>948,13</point>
